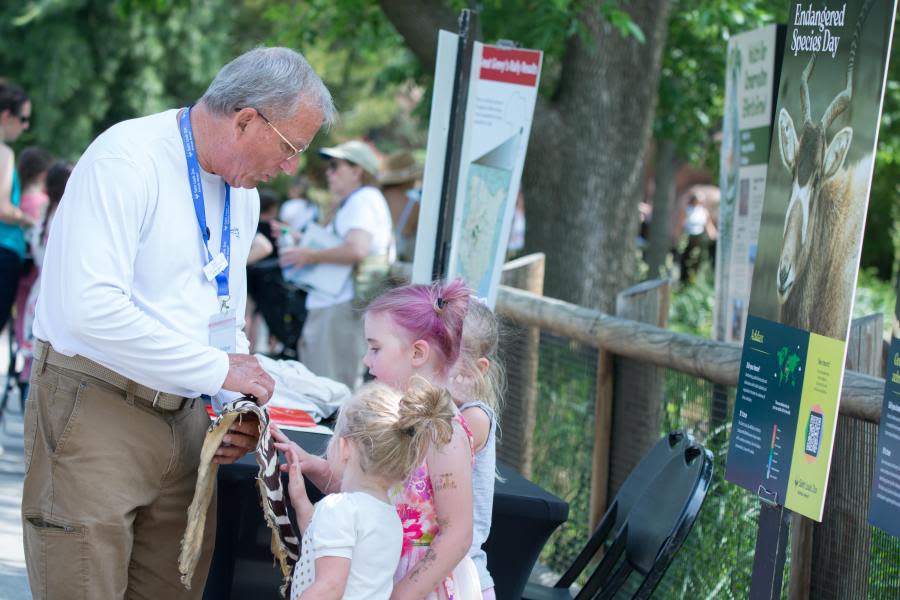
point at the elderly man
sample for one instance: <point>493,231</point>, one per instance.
<point>143,282</point>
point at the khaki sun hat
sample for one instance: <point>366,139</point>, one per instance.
<point>355,151</point>
<point>400,167</point>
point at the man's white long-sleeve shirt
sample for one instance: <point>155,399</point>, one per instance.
<point>122,282</point>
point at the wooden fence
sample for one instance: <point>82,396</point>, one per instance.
<point>637,334</point>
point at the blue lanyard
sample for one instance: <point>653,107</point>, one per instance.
<point>190,154</point>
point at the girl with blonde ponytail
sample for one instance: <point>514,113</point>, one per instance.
<point>352,540</point>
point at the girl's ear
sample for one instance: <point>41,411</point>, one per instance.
<point>421,352</point>
<point>345,450</point>
<point>483,365</point>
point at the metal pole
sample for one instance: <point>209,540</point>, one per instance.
<point>771,548</point>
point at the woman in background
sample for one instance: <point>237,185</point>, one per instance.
<point>15,115</point>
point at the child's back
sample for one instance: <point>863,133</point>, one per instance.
<point>358,526</point>
<point>483,476</point>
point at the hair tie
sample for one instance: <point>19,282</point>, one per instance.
<point>440,305</point>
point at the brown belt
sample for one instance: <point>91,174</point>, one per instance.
<point>160,400</point>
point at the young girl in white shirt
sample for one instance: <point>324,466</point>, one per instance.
<point>352,539</point>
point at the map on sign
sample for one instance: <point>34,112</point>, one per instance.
<point>788,367</point>
<point>487,190</point>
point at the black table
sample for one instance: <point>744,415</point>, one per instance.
<point>523,518</point>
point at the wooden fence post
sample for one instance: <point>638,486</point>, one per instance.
<point>831,559</point>
<point>637,393</point>
<point>520,355</point>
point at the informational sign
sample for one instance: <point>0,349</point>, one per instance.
<point>502,94</point>
<point>884,503</point>
<point>749,98</point>
<point>817,191</point>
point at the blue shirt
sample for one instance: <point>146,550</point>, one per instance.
<point>12,237</point>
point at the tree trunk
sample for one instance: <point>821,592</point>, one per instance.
<point>584,183</point>
<point>660,241</point>
<point>582,179</point>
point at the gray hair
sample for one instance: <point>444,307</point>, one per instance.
<point>274,80</point>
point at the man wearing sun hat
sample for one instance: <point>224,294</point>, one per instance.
<point>333,344</point>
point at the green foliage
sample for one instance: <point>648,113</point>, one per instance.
<point>874,295</point>
<point>692,80</point>
<point>562,451</point>
<point>881,246</point>
<point>88,64</point>
<point>691,308</point>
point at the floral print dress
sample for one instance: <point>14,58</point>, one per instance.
<point>415,506</point>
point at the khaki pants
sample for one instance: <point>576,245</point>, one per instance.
<point>108,480</point>
<point>333,343</point>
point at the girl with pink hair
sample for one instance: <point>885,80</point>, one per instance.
<point>415,331</point>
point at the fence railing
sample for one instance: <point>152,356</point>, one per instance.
<point>674,381</point>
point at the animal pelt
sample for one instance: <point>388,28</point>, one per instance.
<point>285,544</point>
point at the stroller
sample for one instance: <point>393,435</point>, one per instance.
<point>281,304</point>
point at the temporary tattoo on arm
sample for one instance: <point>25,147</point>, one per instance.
<point>444,481</point>
<point>423,565</point>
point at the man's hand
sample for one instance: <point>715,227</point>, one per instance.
<point>241,438</point>
<point>245,375</point>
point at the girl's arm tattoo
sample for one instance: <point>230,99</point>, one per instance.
<point>444,481</point>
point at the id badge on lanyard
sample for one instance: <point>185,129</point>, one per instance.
<point>223,323</point>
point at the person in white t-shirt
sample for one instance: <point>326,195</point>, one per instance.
<point>332,344</point>
<point>352,539</point>
<point>142,284</point>
<point>298,211</point>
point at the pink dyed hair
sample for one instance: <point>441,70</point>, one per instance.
<point>433,313</point>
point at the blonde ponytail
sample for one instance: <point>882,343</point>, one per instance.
<point>393,431</point>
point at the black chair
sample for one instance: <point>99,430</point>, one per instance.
<point>645,525</point>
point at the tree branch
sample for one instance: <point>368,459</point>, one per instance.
<point>418,23</point>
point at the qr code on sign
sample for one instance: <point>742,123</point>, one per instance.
<point>813,434</point>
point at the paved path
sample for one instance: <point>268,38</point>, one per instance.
<point>13,577</point>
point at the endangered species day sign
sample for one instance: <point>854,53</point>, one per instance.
<point>817,191</point>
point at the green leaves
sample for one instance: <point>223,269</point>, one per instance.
<point>88,64</point>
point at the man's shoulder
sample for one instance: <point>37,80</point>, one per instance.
<point>135,138</point>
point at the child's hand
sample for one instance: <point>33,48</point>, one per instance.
<point>461,387</point>
<point>296,485</point>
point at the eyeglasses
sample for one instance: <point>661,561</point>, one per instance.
<point>291,149</point>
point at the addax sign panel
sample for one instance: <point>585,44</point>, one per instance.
<point>817,191</point>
